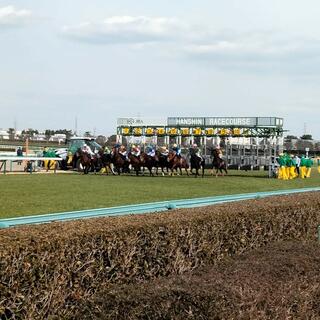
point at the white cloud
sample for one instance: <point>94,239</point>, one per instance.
<point>10,16</point>
<point>272,52</point>
<point>127,29</point>
<point>256,46</point>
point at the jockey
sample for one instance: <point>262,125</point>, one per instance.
<point>123,152</point>
<point>151,151</point>
<point>135,150</point>
<point>164,151</point>
<point>106,150</point>
<point>219,151</point>
<point>196,150</point>
<point>177,150</point>
<point>85,148</point>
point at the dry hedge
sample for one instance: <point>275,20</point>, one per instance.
<point>49,270</point>
<point>279,281</point>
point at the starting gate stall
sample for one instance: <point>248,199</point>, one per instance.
<point>249,142</point>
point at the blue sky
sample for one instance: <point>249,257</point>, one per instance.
<point>99,60</point>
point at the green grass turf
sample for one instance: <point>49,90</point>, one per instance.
<point>39,194</point>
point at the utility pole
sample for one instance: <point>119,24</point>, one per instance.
<point>76,126</point>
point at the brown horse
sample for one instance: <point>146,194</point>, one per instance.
<point>218,163</point>
<point>119,162</point>
<point>136,162</point>
<point>148,162</point>
<point>85,161</point>
<point>175,162</point>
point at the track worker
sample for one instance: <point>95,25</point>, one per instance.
<point>298,161</point>
<point>303,168</point>
<point>292,168</point>
<point>48,164</point>
<point>282,175</point>
<point>318,164</point>
<point>309,164</point>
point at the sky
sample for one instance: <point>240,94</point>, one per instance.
<point>98,60</point>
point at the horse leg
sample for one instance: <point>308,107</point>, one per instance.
<point>111,169</point>
<point>172,170</point>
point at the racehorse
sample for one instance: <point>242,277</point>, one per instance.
<point>218,163</point>
<point>161,162</point>
<point>106,161</point>
<point>119,162</point>
<point>176,162</point>
<point>148,162</point>
<point>85,161</point>
<point>197,163</point>
<point>136,162</point>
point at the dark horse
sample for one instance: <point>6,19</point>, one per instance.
<point>197,163</point>
<point>136,162</point>
<point>120,163</point>
<point>218,163</point>
<point>106,161</point>
<point>85,161</point>
<point>148,162</point>
<point>161,162</point>
<point>176,162</point>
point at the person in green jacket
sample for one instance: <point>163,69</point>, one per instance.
<point>309,164</point>
<point>282,170</point>
<point>303,167</point>
<point>292,167</point>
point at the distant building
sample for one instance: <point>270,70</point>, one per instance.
<point>58,137</point>
<point>39,137</point>
<point>4,135</point>
<point>296,145</point>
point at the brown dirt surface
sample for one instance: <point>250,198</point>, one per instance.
<point>279,281</point>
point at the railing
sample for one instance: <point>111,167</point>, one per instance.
<point>146,207</point>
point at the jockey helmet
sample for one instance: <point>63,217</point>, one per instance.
<point>194,145</point>
<point>133,146</point>
<point>175,145</point>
